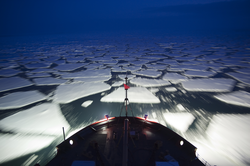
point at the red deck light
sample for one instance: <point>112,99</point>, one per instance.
<point>107,117</point>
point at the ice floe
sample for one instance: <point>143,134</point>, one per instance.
<point>149,82</point>
<point>37,65</point>
<point>169,62</point>
<point>122,76</point>
<point>8,72</point>
<point>174,78</point>
<point>30,75</point>
<point>132,68</point>
<point>154,90</point>
<point>119,83</point>
<point>49,81</point>
<point>14,146</point>
<point>181,120</point>
<point>92,79</point>
<point>118,69</point>
<point>69,66</point>
<point>186,58</point>
<point>70,92</point>
<point>191,67</point>
<point>244,71</point>
<point>13,83</point>
<point>42,70</point>
<point>42,119</point>
<point>171,89</point>
<point>75,59</point>
<point>209,85</point>
<point>240,98</point>
<point>148,73</point>
<point>244,78</point>
<point>199,73</point>
<point>87,103</point>
<point>88,74</point>
<point>228,135</point>
<point>135,95</point>
<point>20,99</point>
<point>93,66</point>
<point>157,66</point>
<point>111,62</point>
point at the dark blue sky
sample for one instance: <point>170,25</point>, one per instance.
<point>19,17</point>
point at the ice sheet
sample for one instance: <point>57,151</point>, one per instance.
<point>42,119</point>
<point>49,81</point>
<point>13,83</point>
<point>181,121</point>
<point>14,146</point>
<point>70,92</point>
<point>135,95</point>
<point>149,82</point>
<point>87,103</point>
<point>209,85</point>
<point>240,98</point>
<point>20,99</point>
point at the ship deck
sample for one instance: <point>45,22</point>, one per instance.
<point>147,143</point>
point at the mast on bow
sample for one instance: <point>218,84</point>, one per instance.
<point>126,100</point>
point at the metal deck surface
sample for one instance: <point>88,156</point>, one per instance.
<point>148,143</point>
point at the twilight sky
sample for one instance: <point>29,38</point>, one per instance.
<point>83,16</point>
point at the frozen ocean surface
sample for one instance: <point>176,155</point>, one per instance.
<point>196,85</point>
<point>20,99</point>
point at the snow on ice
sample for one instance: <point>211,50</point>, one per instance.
<point>14,146</point>
<point>20,99</point>
<point>174,78</point>
<point>69,66</point>
<point>209,85</point>
<point>49,81</point>
<point>13,83</point>
<point>181,120</point>
<point>135,95</point>
<point>87,103</point>
<point>42,119</point>
<point>240,98</point>
<point>70,92</point>
<point>149,82</point>
<point>199,73</point>
<point>92,79</point>
<point>149,73</point>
